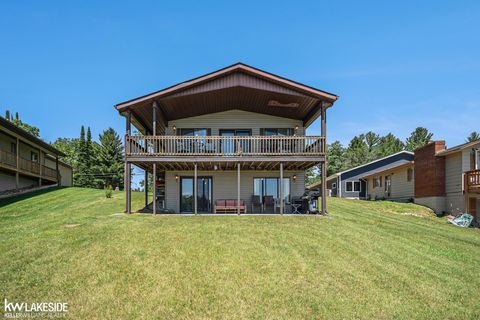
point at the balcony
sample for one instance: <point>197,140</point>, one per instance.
<point>224,146</point>
<point>472,181</point>
<point>9,160</point>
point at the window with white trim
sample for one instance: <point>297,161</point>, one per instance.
<point>353,186</point>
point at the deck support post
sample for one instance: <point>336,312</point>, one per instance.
<point>128,189</point>
<point>195,188</point>
<point>145,187</point>
<point>238,188</point>
<point>154,183</point>
<point>324,163</point>
<point>281,189</point>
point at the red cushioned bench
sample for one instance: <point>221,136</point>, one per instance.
<point>229,206</point>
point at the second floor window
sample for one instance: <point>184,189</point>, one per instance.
<point>13,148</point>
<point>477,162</point>
<point>193,132</point>
<point>34,156</point>
<point>277,131</point>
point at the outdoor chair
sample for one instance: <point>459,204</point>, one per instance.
<point>269,203</point>
<point>256,203</point>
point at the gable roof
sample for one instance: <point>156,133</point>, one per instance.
<point>458,148</point>
<point>29,137</point>
<point>224,71</point>
<point>238,86</point>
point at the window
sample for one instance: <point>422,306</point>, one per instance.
<point>271,187</point>
<point>477,162</point>
<point>13,147</point>
<point>34,156</point>
<point>193,132</point>
<point>334,185</point>
<point>377,182</point>
<point>276,132</point>
<point>353,186</point>
<point>409,174</point>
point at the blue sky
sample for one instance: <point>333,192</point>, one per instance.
<point>395,64</point>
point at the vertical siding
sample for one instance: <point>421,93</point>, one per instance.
<point>453,173</point>
<point>225,185</point>
<point>65,176</point>
<point>402,189</point>
<point>235,119</point>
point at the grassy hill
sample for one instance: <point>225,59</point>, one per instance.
<point>367,260</point>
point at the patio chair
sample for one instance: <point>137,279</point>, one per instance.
<point>269,202</point>
<point>256,203</point>
<point>464,220</point>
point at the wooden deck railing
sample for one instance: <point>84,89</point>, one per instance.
<point>472,181</point>
<point>49,172</point>
<point>8,158</point>
<point>223,146</point>
<point>30,166</point>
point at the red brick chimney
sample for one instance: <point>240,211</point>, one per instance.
<point>430,170</point>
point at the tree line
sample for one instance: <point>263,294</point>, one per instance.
<point>95,165</point>
<point>371,146</point>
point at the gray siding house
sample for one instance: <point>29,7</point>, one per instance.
<point>385,178</point>
<point>229,141</point>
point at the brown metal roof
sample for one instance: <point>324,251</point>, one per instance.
<point>30,137</point>
<point>235,87</point>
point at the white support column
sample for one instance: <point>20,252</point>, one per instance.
<point>281,189</point>
<point>195,187</point>
<point>154,181</point>
<point>238,188</point>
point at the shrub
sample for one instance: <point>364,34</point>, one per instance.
<point>108,192</point>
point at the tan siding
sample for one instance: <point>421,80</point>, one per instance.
<point>5,142</point>
<point>466,157</point>
<point>65,175</point>
<point>235,119</point>
<point>453,173</point>
<point>401,188</point>
<point>225,185</point>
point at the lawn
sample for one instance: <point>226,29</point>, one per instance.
<point>366,260</point>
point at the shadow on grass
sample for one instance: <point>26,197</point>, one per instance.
<point>14,199</point>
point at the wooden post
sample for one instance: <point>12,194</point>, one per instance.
<point>154,182</point>
<point>17,174</point>
<point>195,188</point>
<point>238,188</point>
<point>128,189</point>
<point>324,164</point>
<point>281,188</point>
<point>128,122</point>
<point>145,186</point>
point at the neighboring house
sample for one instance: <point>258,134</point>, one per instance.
<point>448,180</point>
<point>235,134</point>
<point>390,178</point>
<point>28,162</point>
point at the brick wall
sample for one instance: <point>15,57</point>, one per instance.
<point>429,171</point>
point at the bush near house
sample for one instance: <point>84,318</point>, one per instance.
<point>367,260</point>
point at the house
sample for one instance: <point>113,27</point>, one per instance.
<point>448,179</point>
<point>390,178</point>
<point>229,141</point>
<point>27,162</point>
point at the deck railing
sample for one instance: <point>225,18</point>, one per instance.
<point>472,181</point>
<point>30,166</point>
<point>49,172</point>
<point>8,158</point>
<point>224,146</point>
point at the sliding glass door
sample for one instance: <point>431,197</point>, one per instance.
<point>271,187</point>
<point>204,194</point>
<point>229,146</point>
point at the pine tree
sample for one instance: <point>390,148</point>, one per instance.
<point>474,136</point>
<point>336,158</point>
<point>80,176</point>
<point>389,145</point>
<point>110,165</point>
<point>418,138</point>
<point>357,152</point>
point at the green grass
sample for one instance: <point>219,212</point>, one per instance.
<point>368,260</point>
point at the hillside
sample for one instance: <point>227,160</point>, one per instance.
<point>366,260</point>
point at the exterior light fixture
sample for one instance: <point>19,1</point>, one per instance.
<point>176,177</point>
<point>174,128</point>
<point>294,178</point>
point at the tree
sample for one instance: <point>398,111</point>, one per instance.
<point>418,138</point>
<point>474,136</point>
<point>81,176</point>
<point>70,147</point>
<point>22,125</point>
<point>388,145</point>
<point>109,169</point>
<point>336,158</point>
<point>357,152</point>
<point>372,140</point>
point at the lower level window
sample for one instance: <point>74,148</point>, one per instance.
<point>271,187</point>
<point>353,186</point>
